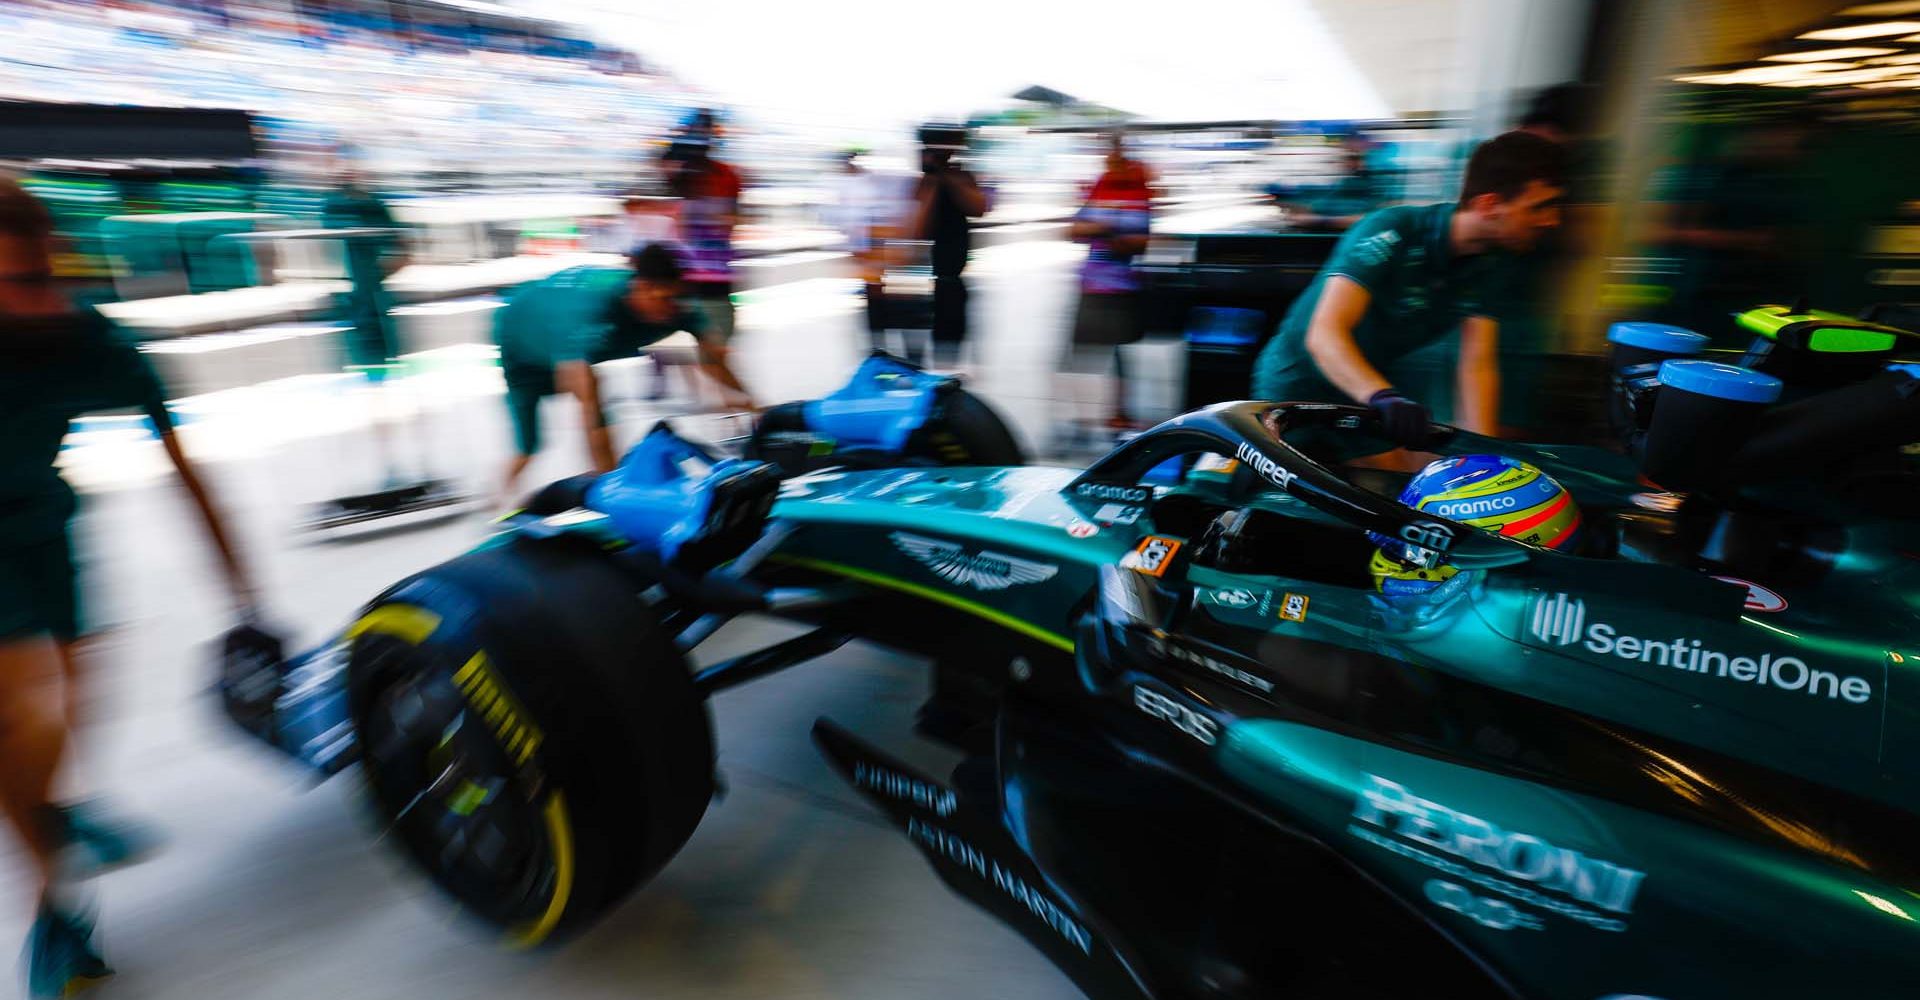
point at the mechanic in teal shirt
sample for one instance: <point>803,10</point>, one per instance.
<point>553,331</point>
<point>1406,276</point>
<point>373,341</point>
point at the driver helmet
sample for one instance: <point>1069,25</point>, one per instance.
<point>1490,492</point>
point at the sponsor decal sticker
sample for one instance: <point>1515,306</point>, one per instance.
<point>1154,554</point>
<point>1110,491</point>
<point>1473,507</point>
<point>1758,598</point>
<point>1293,608</point>
<point>1083,529</point>
<point>1427,535</point>
<point>957,850</point>
<point>1202,729</point>
<point>1496,914</point>
<point>1219,465</point>
<point>1177,651</point>
<point>1562,620</point>
<point>1115,513</point>
<point>939,800</point>
<point>1527,871</point>
<point>1232,598</point>
<point>1268,469</point>
<point>1377,248</point>
<point>984,570</point>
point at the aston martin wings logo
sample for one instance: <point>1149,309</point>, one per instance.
<point>981,571</point>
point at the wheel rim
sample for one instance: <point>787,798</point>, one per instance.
<point>465,812</point>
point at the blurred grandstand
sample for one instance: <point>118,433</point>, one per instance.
<point>433,94</point>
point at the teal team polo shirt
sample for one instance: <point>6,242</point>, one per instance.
<point>1420,290</point>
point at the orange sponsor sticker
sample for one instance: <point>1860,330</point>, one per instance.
<point>1154,554</point>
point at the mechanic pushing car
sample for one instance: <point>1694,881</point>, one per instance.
<point>553,331</point>
<point>1406,276</point>
<point>57,362</point>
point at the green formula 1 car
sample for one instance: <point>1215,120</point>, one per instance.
<point>1204,755</point>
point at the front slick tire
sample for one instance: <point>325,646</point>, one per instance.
<point>531,740</point>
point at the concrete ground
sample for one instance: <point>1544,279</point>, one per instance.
<point>270,887</point>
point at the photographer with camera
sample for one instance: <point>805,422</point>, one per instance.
<point>946,201</point>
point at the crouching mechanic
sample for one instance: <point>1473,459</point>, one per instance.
<point>1499,495</point>
<point>1402,278</point>
<point>553,331</point>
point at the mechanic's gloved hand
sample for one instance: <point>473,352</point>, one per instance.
<point>1405,422</point>
<point>250,647</point>
<point>250,675</point>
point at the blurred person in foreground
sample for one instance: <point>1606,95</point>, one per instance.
<point>1113,222</point>
<point>707,193</point>
<point>945,202</point>
<point>1404,277</point>
<point>1562,113</point>
<point>553,331</point>
<point>58,361</point>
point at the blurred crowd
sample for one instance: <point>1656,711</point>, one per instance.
<point>434,97</point>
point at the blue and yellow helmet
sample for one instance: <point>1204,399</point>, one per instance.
<point>1502,495</point>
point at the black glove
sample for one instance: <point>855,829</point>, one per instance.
<point>250,676</point>
<point>1404,422</point>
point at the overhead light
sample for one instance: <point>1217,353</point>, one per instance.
<point>1840,79</point>
<point>1883,9</point>
<point>1819,55</point>
<point>1905,60</point>
<point>1879,29</point>
<point>1765,74</point>
<point>1888,84</point>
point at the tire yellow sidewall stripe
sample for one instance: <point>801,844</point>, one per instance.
<point>407,622</point>
<point>993,615</point>
<point>493,701</point>
<point>413,624</point>
<point>560,839</point>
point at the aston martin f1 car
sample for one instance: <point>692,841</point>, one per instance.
<point>1202,754</point>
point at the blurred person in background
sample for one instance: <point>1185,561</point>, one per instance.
<point>1732,220</point>
<point>707,193</point>
<point>1113,222</point>
<point>58,361</point>
<point>373,334</point>
<point>1408,275</point>
<point>373,340</point>
<point>946,200</point>
<point>642,221</point>
<point>553,331</point>
<point>867,209</point>
<point>1336,208</point>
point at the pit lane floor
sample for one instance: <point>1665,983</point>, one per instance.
<point>791,888</point>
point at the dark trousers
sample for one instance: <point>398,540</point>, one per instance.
<point>876,310</point>
<point>949,310</point>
